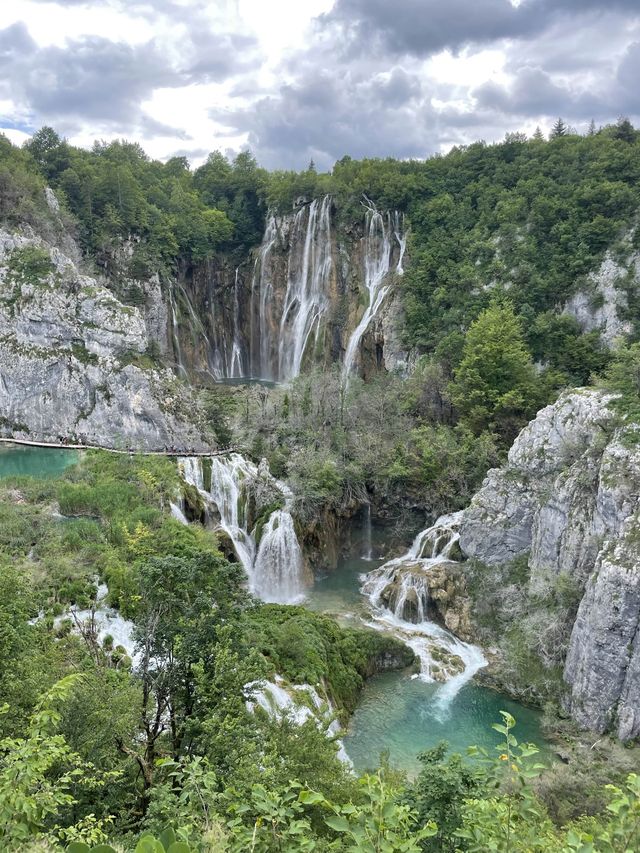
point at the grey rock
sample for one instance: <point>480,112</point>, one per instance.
<point>603,662</point>
<point>599,306</point>
<point>569,497</point>
<point>65,344</point>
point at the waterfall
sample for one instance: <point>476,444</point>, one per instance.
<point>305,300</point>
<point>235,366</point>
<point>279,562</point>
<point>280,333</point>
<point>262,290</point>
<point>398,593</point>
<point>377,253</point>
<point>274,565</point>
<point>175,334</point>
<point>367,544</point>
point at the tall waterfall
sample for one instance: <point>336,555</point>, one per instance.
<point>274,565</point>
<point>282,329</point>
<point>236,367</point>
<point>398,593</point>
<point>379,233</point>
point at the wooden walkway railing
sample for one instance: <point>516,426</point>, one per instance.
<point>167,451</point>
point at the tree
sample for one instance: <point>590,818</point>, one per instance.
<point>538,135</point>
<point>38,774</point>
<point>558,129</point>
<point>624,130</point>
<point>495,385</point>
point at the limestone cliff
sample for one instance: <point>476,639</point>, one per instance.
<point>317,291</point>
<point>569,498</point>
<point>74,359</point>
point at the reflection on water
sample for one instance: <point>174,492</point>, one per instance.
<point>23,461</point>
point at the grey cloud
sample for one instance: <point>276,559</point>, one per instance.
<point>424,27</point>
<point>327,114</point>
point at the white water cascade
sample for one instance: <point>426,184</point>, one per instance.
<point>281,329</point>
<point>305,300</point>
<point>175,334</point>
<point>236,369</point>
<point>274,565</point>
<point>379,232</point>
<point>398,593</point>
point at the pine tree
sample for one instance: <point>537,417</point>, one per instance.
<point>592,128</point>
<point>538,136</point>
<point>558,129</point>
<point>495,385</point>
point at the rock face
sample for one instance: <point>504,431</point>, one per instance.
<point>569,498</point>
<point>602,304</point>
<point>298,301</point>
<point>71,355</point>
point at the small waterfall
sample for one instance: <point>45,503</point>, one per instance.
<point>275,566</point>
<point>398,593</point>
<point>177,513</point>
<point>278,569</point>
<point>377,251</point>
<point>367,536</point>
<point>229,480</point>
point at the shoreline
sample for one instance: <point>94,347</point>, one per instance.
<point>173,451</point>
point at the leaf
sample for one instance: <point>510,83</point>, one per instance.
<point>311,798</point>
<point>338,823</point>
<point>78,847</point>
<point>167,837</point>
<point>179,847</point>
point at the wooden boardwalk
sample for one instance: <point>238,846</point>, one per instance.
<point>129,451</point>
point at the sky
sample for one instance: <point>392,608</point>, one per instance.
<point>295,80</point>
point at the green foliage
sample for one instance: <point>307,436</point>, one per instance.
<point>623,378</point>
<point>377,825</point>
<point>38,774</point>
<point>308,648</point>
<point>495,383</point>
<point>439,792</point>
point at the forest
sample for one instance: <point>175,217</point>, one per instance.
<point>169,751</point>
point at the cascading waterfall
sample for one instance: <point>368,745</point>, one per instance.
<point>305,300</point>
<point>398,593</point>
<point>279,562</point>
<point>279,342</point>
<point>377,251</point>
<point>236,369</point>
<point>275,565</point>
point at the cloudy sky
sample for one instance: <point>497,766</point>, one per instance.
<point>301,79</point>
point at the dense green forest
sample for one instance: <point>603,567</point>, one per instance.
<point>171,757</point>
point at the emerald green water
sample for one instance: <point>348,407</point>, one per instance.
<point>405,715</point>
<point>22,461</point>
